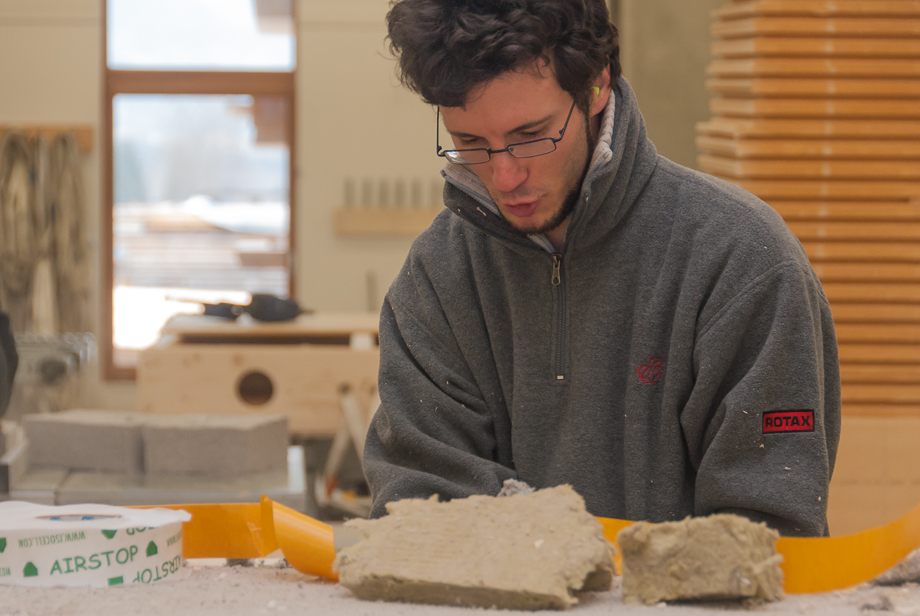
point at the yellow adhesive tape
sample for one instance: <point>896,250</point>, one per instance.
<point>253,530</point>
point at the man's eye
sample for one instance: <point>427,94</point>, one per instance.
<point>531,135</point>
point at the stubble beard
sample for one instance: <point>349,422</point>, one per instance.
<point>568,204</point>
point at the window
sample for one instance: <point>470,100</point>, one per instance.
<point>199,162</point>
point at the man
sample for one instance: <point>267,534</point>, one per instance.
<point>585,311</point>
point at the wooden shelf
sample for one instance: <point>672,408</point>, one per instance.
<point>383,221</point>
<point>83,134</point>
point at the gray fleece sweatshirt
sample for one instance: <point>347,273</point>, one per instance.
<point>677,357</point>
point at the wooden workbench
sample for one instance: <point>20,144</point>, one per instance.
<point>296,368</point>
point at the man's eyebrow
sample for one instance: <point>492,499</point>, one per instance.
<point>518,129</point>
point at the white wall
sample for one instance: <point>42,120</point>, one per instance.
<point>353,120</point>
<point>665,49</point>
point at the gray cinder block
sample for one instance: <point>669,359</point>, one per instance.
<point>85,439</point>
<point>717,557</point>
<point>216,445</point>
<point>527,551</point>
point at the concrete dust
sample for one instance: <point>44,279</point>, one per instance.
<point>210,588</point>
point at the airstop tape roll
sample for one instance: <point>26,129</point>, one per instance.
<point>88,545</point>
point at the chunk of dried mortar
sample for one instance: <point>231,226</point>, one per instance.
<point>905,572</point>
<point>527,551</point>
<point>717,557</point>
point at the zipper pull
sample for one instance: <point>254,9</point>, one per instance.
<point>557,264</point>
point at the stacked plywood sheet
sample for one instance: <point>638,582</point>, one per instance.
<point>816,110</point>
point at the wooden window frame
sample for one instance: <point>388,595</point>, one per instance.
<point>280,84</point>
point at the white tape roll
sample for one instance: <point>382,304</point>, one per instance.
<point>88,545</point>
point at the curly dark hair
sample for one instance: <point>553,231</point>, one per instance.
<point>446,48</point>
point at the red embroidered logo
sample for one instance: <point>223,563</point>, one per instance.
<point>788,421</point>
<point>650,371</point>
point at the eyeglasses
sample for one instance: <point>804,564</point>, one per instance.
<point>526,149</point>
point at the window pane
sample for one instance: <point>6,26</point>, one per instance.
<point>248,35</point>
<point>201,206</point>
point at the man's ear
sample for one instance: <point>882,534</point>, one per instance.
<point>599,100</point>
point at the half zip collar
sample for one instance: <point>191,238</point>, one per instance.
<point>466,180</point>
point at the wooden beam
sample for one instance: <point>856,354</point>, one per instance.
<point>895,333</point>
<point>815,46</point>
<point>814,128</point>
<point>866,252</point>
<point>199,82</point>
<point>807,26</point>
<point>888,354</point>
<point>875,313</point>
<point>857,149</point>
<point>856,231</point>
<point>868,211</point>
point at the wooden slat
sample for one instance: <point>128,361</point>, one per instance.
<point>860,231</point>
<point>829,8</point>
<point>826,129</point>
<point>811,26</point>
<point>880,410</point>
<point>864,373</point>
<point>741,128</point>
<point>810,169</point>
<point>871,292</point>
<point>862,251</point>
<point>836,189</point>
<point>882,393</point>
<point>809,67</point>
<point>867,272</point>
<point>895,333</point>
<point>810,148</point>
<point>811,87</point>
<point>847,210</point>
<point>823,47</point>
<point>829,108</point>
<point>879,353</point>
<point>875,313</point>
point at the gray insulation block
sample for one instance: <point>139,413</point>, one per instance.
<point>713,558</point>
<point>517,552</point>
<point>85,439</point>
<point>215,445</point>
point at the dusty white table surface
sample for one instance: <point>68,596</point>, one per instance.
<point>210,587</point>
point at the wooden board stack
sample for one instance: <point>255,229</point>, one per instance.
<point>817,111</point>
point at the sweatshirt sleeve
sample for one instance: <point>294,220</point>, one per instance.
<point>434,432</point>
<point>9,361</point>
<point>763,421</point>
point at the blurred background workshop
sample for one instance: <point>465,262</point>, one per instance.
<point>203,203</point>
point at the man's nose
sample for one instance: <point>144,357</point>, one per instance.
<point>508,172</point>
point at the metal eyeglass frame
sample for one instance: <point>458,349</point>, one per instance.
<point>553,140</point>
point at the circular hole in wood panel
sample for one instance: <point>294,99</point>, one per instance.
<point>255,388</point>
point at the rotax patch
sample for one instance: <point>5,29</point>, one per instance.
<point>788,421</point>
